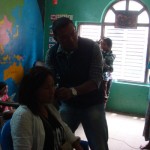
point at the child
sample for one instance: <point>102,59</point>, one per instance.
<point>4,96</point>
<point>5,111</point>
<point>108,56</point>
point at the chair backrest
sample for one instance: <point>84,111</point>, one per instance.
<point>6,139</point>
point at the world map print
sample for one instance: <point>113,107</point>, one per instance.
<point>13,71</point>
<point>21,40</point>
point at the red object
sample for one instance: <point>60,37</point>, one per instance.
<point>55,2</point>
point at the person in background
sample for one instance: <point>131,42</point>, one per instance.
<point>36,124</point>
<point>108,56</point>
<point>77,66</point>
<point>146,131</point>
<point>4,96</point>
<point>6,111</point>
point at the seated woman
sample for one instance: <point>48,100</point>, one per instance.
<point>36,124</point>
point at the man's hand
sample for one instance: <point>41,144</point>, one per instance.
<point>63,93</point>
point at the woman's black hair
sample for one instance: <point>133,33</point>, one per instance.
<point>30,83</point>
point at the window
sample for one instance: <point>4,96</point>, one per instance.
<point>130,48</point>
<point>130,45</point>
<point>90,31</point>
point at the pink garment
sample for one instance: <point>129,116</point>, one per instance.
<point>4,99</point>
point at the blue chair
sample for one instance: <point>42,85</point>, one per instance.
<point>6,139</point>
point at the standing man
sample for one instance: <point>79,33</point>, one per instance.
<point>77,66</point>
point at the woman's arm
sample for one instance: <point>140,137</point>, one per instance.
<point>21,130</point>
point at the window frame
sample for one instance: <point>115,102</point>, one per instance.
<point>138,24</point>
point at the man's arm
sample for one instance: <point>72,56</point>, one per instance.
<point>95,73</point>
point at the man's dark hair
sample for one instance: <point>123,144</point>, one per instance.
<point>29,86</point>
<point>108,42</point>
<point>60,23</point>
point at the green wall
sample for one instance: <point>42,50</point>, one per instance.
<point>125,97</point>
<point>128,98</point>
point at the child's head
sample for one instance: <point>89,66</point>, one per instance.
<point>3,88</point>
<point>106,44</point>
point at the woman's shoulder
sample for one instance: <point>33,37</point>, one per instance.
<point>22,115</point>
<point>23,111</point>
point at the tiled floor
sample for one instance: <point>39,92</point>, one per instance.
<point>125,132</point>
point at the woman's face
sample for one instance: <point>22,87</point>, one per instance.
<point>45,93</point>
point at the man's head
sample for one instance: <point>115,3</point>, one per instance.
<point>65,33</point>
